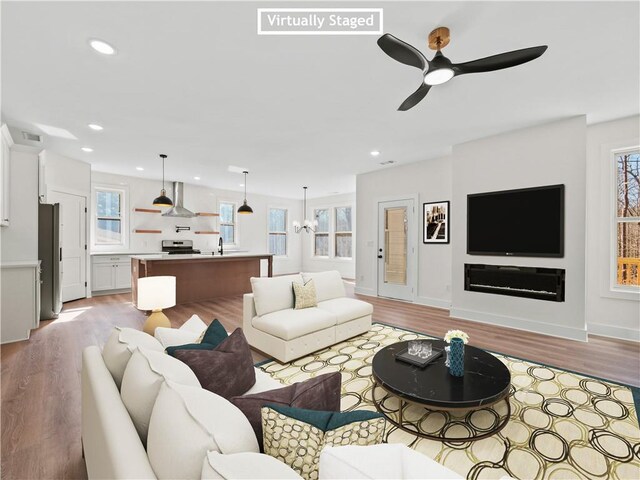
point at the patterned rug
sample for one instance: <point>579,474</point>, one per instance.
<point>563,425</point>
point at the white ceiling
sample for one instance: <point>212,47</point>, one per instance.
<point>195,81</point>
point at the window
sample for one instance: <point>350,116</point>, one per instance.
<point>228,222</point>
<point>321,237</point>
<point>109,216</point>
<point>343,238</point>
<point>627,223</point>
<point>277,231</point>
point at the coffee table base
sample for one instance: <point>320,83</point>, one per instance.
<point>501,424</point>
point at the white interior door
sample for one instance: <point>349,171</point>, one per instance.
<point>396,249</point>
<point>73,241</point>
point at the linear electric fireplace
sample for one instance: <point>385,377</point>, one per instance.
<point>527,282</point>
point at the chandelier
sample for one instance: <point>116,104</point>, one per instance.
<point>307,225</point>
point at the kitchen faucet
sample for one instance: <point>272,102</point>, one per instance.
<point>220,246</point>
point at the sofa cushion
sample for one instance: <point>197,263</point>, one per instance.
<point>346,309</point>
<point>141,382</point>
<point>296,436</point>
<point>289,324</point>
<point>318,393</point>
<point>392,460</point>
<point>245,466</point>
<point>264,382</point>
<point>186,423</point>
<point>271,294</point>
<point>226,370</point>
<point>304,295</point>
<point>188,332</point>
<point>119,347</point>
<point>328,284</point>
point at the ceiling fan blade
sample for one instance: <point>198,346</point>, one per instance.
<point>402,51</point>
<point>500,61</point>
<point>415,98</point>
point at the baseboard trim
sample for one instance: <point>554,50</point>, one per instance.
<point>612,331</point>
<point>433,302</point>
<point>369,292</point>
<point>520,324</point>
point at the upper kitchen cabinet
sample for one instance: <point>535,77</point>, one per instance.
<point>5,185</point>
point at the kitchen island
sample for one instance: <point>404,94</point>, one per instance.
<point>201,277</point>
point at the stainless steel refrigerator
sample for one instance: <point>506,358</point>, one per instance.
<point>50,254</point>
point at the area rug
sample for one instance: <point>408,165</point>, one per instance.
<point>563,425</point>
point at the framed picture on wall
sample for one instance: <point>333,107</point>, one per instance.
<point>435,217</point>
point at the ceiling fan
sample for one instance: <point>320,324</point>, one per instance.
<point>440,69</point>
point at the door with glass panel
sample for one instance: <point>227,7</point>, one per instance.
<point>396,249</point>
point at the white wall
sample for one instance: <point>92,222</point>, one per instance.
<point>311,263</point>
<point>544,155</point>
<point>251,229</point>
<point>430,180</point>
<point>20,238</point>
<point>608,313</point>
<point>65,174</point>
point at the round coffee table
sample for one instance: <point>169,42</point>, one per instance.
<point>486,381</point>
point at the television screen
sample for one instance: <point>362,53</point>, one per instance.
<point>528,222</point>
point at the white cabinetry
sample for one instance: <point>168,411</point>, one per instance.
<point>20,307</point>
<point>5,172</point>
<point>110,272</point>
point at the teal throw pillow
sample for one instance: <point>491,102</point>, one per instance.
<point>213,336</point>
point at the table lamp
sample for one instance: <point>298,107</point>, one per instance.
<point>156,293</point>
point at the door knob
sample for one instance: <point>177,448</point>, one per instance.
<point>379,256</point>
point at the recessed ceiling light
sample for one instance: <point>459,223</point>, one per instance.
<point>87,149</point>
<point>375,153</point>
<point>102,47</point>
<point>95,126</point>
<point>140,169</point>
<point>196,178</point>
<point>241,184</point>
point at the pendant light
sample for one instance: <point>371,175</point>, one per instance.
<point>163,200</point>
<point>244,208</point>
<point>309,225</point>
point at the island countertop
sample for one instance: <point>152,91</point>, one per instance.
<point>199,256</point>
<point>201,277</point>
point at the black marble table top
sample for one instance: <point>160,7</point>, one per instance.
<point>486,379</point>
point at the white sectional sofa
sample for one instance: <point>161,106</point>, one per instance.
<point>273,326</point>
<point>193,433</point>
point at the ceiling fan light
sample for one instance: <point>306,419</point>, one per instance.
<point>438,77</point>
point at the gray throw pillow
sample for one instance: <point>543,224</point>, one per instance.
<point>226,370</point>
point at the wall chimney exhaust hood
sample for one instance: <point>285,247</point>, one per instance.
<point>178,209</point>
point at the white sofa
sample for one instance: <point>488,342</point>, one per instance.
<point>192,433</point>
<point>273,326</point>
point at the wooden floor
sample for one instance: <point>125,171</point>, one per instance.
<point>41,377</point>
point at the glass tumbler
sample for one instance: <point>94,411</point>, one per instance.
<point>426,350</point>
<point>414,347</point>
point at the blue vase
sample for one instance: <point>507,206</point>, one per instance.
<point>456,357</point>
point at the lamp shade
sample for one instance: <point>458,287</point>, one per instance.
<point>156,292</point>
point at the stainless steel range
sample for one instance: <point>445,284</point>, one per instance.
<point>178,247</point>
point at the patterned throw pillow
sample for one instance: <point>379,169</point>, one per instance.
<point>304,295</point>
<point>296,436</point>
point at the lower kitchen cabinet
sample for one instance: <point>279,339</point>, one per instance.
<point>110,272</point>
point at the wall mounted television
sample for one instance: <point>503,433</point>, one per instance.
<point>527,222</point>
